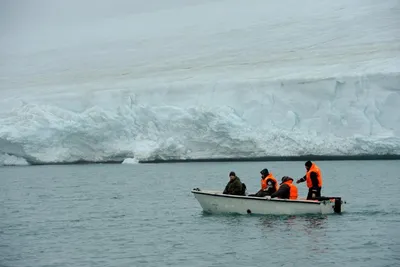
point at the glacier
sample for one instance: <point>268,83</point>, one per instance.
<point>133,81</point>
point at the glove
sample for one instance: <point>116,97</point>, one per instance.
<point>298,181</point>
<point>267,197</point>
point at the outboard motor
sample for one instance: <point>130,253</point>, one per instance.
<point>337,208</point>
<point>338,205</point>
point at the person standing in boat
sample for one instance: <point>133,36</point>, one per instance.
<point>234,186</point>
<point>313,178</point>
<point>287,190</point>
<point>269,184</point>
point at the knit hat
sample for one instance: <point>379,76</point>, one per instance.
<point>286,178</point>
<point>264,172</point>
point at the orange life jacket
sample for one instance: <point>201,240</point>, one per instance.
<point>314,168</point>
<point>264,182</point>
<point>293,190</point>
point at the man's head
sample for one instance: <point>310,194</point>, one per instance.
<point>232,175</point>
<point>308,165</point>
<point>264,173</point>
<point>286,178</point>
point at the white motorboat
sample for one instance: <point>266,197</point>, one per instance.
<point>216,202</point>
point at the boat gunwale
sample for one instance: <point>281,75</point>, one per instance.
<point>258,198</point>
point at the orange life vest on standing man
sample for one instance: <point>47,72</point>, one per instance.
<point>314,168</point>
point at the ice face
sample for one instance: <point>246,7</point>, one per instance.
<point>191,79</point>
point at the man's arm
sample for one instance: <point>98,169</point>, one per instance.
<point>303,179</point>
<point>226,189</point>
<point>282,191</point>
<point>314,179</point>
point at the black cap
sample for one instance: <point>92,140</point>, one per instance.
<point>232,174</point>
<point>286,178</point>
<point>264,172</point>
<point>308,164</point>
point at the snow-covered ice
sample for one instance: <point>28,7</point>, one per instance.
<point>130,161</point>
<point>198,79</point>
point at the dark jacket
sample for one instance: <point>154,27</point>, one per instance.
<point>314,179</point>
<point>283,192</point>
<point>234,187</point>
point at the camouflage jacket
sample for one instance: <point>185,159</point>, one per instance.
<point>234,187</point>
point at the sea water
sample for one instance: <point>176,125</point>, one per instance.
<point>145,215</point>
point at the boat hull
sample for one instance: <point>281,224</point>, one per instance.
<point>215,202</point>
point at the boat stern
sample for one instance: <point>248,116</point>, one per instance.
<point>331,205</point>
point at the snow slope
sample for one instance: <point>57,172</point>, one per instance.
<point>198,79</point>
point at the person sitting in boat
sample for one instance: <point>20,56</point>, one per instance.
<point>269,184</point>
<point>287,190</point>
<point>234,186</point>
<point>314,180</point>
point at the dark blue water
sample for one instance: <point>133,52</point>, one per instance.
<point>145,215</point>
